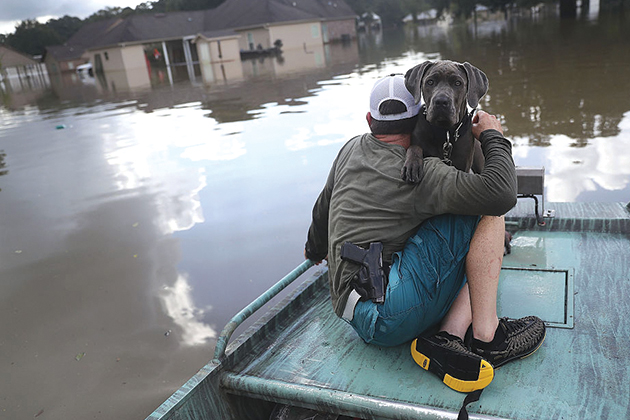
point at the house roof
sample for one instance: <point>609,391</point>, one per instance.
<point>76,45</point>
<point>230,15</point>
<point>11,58</point>
<point>247,13</point>
<point>218,34</point>
<point>140,28</point>
<point>65,52</point>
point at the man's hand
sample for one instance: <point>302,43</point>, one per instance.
<point>483,121</point>
<point>316,262</point>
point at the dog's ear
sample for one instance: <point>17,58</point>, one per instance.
<point>413,79</point>
<point>477,84</point>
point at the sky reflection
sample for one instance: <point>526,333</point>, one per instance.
<point>572,172</point>
<point>179,305</point>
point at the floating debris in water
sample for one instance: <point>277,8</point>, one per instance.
<point>60,127</point>
<point>167,333</point>
<point>79,356</point>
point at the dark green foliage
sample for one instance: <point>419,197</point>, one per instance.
<point>110,12</point>
<point>65,26</point>
<point>32,37</point>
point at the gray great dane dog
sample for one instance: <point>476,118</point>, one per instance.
<point>444,124</point>
<point>444,127</point>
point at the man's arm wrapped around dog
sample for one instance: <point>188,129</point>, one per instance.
<point>492,192</point>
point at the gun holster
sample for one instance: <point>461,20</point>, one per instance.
<point>371,280</point>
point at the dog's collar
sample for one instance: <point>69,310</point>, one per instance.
<point>464,123</point>
<point>451,136</point>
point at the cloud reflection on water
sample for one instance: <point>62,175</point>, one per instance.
<point>180,306</point>
<point>571,171</point>
<point>158,153</point>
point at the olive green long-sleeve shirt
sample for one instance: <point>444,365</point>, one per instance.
<point>365,200</point>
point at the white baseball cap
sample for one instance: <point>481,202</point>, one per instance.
<point>392,88</point>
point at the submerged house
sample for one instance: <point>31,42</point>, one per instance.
<point>428,16</point>
<point>369,21</point>
<point>63,58</point>
<point>20,72</point>
<point>294,22</point>
<point>134,51</point>
<point>143,49</point>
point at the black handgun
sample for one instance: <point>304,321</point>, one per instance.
<point>370,282</point>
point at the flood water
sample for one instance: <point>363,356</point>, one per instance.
<point>134,224</point>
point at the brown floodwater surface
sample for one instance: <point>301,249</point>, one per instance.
<point>135,224</point>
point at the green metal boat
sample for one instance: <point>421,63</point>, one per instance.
<point>569,264</point>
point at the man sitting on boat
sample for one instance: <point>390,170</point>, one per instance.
<point>423,245</point>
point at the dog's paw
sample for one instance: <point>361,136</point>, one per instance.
<point>412,171</point>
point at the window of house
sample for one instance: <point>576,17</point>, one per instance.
<point>70,65</point>
<point>106,55</point>
<point>315,30</point>
<point>250,40</point>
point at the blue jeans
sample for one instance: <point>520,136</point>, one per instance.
<point>424,280</point>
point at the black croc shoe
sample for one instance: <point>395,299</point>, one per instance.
<point>446,356</point>
<point>513,339</point>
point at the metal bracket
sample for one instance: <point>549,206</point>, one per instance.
<point>530,184</point>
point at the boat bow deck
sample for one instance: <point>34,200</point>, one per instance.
<point>573,272</point>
